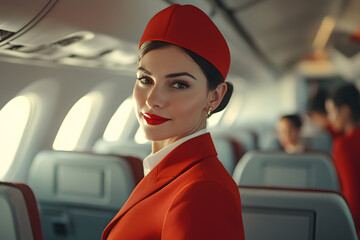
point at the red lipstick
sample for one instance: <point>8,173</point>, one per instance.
<point>153,119</point>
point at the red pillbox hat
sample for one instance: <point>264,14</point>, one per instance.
<point>189,27</point>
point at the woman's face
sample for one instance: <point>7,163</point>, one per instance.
<point>171,95</point>
<point>288,134</point>
<point>336,118</point>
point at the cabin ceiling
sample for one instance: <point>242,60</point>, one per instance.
<point>265,36</point>
<point>284,30</point>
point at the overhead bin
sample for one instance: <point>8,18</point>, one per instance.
<point>19,15</point>
<point>83,32</point>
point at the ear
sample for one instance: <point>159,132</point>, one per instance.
<point>215,96</point>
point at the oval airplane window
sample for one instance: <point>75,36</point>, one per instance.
<point>117,123</point>
<point>74,123</point>
<point>13,120</point>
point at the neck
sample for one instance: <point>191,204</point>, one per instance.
<point>158,145</point>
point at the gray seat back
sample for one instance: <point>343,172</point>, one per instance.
<point>123,148</point>
<point>279,169</point>
<point>243,136</point>
<point>226,153</point>
<point>79,193</point>
<point>282,214</point>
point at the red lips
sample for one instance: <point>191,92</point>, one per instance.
<point>153,119</point>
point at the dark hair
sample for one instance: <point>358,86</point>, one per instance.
<point>214,77</point>
<point>295,119</point>
<point>317,102</point>
<point>348,95</point>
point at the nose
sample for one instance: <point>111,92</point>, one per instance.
<point>156,97</point>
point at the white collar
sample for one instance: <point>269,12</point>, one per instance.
<point>154,159</point>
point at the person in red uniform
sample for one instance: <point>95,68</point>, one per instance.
<point>344,117</point>
<point>186,192</point>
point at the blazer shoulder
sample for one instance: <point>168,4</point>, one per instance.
<point>204,209</point>
<point>208,189</point>
<point>211,169</point>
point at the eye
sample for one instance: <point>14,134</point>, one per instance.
<point>144,80</point>
<point>180,85</point>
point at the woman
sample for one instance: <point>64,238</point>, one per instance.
<point>186,192</point>
<point>344,117</point>
<point>289,133</point>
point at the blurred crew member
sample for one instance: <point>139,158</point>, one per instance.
<point>344,117</point>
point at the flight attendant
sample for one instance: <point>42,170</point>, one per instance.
<point>186,192</point>
<point>344,116</point>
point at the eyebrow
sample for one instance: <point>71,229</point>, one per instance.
<point>144,70</point>
<point>171,75</point>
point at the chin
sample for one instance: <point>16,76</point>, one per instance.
<point>155,136</point>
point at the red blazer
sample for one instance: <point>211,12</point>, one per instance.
<point>188,195</point>
<point>346,155</point>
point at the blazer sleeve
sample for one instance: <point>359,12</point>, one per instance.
<point>204,210</point>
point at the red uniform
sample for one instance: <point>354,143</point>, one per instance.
<point>188,195</point>
<point>346,155</point>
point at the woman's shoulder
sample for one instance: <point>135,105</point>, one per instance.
<point>210,190</point>
<point>208,169</point>
<point>209,174</point>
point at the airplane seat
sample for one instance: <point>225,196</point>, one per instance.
<point>320,142</point>
<point>19,214</point>
<point>245,137</point>
<point>123,148</point>
<point>297,214</point>
<point>279,169</point>
<point>314,140</point>
<point>238,149</point>
<point>79,193</point>
<point>229,152</point>
<point>268,139</point>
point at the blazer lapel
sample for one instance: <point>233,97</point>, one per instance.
<point>176,162</point>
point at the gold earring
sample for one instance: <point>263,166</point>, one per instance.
<point>209,112</point>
